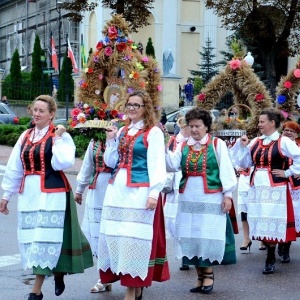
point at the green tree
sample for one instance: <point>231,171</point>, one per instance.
<point>271,27</point>
<point>198,85</point>
<point>135,12</point>
<point>149,48</point>
<point>208,68</point>
<point>66,82</point>
<point>15,77</point>
<point>39,81</point>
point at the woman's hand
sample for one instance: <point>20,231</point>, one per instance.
<point>111,132</point>
<point>226,204</point>
<point>78,198</point>
<point>244,140</point>
<point>3,207</point>
<point>151,203</point>
<point>278,173</point>
<point>59,130</point>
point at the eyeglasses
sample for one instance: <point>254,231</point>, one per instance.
<point>134,105</point>
<point>289,130</point>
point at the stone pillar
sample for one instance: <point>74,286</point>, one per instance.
<point>76,78</point>
<point>170,92</point>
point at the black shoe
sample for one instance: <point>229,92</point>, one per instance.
<point>206,289</point>
<point>285,258</point>
<point>59,285</point>
<point>197,289</point>
<point>246,247</point>
<point>33,296</point>
<point>184,268</point>
<point>140,297</point>
<point>269,268</point>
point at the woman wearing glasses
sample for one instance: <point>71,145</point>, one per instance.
<point>270,209</point>
<point>132,218</point>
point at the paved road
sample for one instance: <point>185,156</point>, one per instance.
<point>242,281</point>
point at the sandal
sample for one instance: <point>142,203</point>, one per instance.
<point>101,287</point>
<point>198,289</point>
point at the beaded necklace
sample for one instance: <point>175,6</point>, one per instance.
<point>194,155</point>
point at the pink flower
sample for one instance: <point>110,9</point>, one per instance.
<point>145,59</point>
<point>100,77</point>
<point>112,32</point>
<point>108,51</point>
<point>75,112</point>
<point>159,88</point>
<point>201,97</point>
<point>235,64</point>
<point>287,84</point>
<point>297,73</point>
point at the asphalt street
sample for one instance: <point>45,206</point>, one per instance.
<point>241,281</point>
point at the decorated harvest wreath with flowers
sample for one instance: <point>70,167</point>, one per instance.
<point>114,69</point>
<point>287,89</point>
<point>239,78</point>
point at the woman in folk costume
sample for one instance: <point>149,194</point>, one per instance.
<point>203,235</point>
<point>270,208</point>
<point>93,174</point>
<point>171,199</point>
<point>132,244</point>
<point>49,236</point>
<point>291,130</point>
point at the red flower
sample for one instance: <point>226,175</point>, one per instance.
<point>103,106</point>
<point>101,114</point>
<point>75,112</point>
<point>201,97</point>
<point>287,84</point>
<point>99,46</point>
<point>84,85</point>
<point>259,97</point>
<point>90,70</point>
<point>121,47</point>
<point>114,113</point>
<point>73,123</point>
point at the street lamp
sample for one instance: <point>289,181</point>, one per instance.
<point>1,74</point>
<point>58,8</point>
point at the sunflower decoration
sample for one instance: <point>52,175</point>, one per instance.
<point>116,68</point>
<point>286,91</point>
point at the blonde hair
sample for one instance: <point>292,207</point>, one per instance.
<point>181,122</point>
<point>52,106</point>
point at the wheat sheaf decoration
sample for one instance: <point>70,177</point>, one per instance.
<point>114,69</point>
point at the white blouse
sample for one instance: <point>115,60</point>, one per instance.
<point>63,157</point>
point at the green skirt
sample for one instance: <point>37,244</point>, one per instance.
<point>229,254</point>
<point>76,254</point>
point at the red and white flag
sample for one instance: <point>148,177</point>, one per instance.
<point>54,55</point>
<point>72,57</point>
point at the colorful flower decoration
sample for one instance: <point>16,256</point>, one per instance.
<point>259,97</point>
<point>201,97</point>
<point>86,111</point>
<point>112,32</point>
<point>121,46</point>
<point>297,73</point>
<point>100,77</point>
<point>145,59</point>
<point>159,88</point>
<point>281,99</point>
<point>134,75</point>
<point>287,84</point>
<point>285,113</point>
<point>108,51</point>
<point>235,64</point>
<point>88,70</point>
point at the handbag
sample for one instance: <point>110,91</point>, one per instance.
<point>168,187</point>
